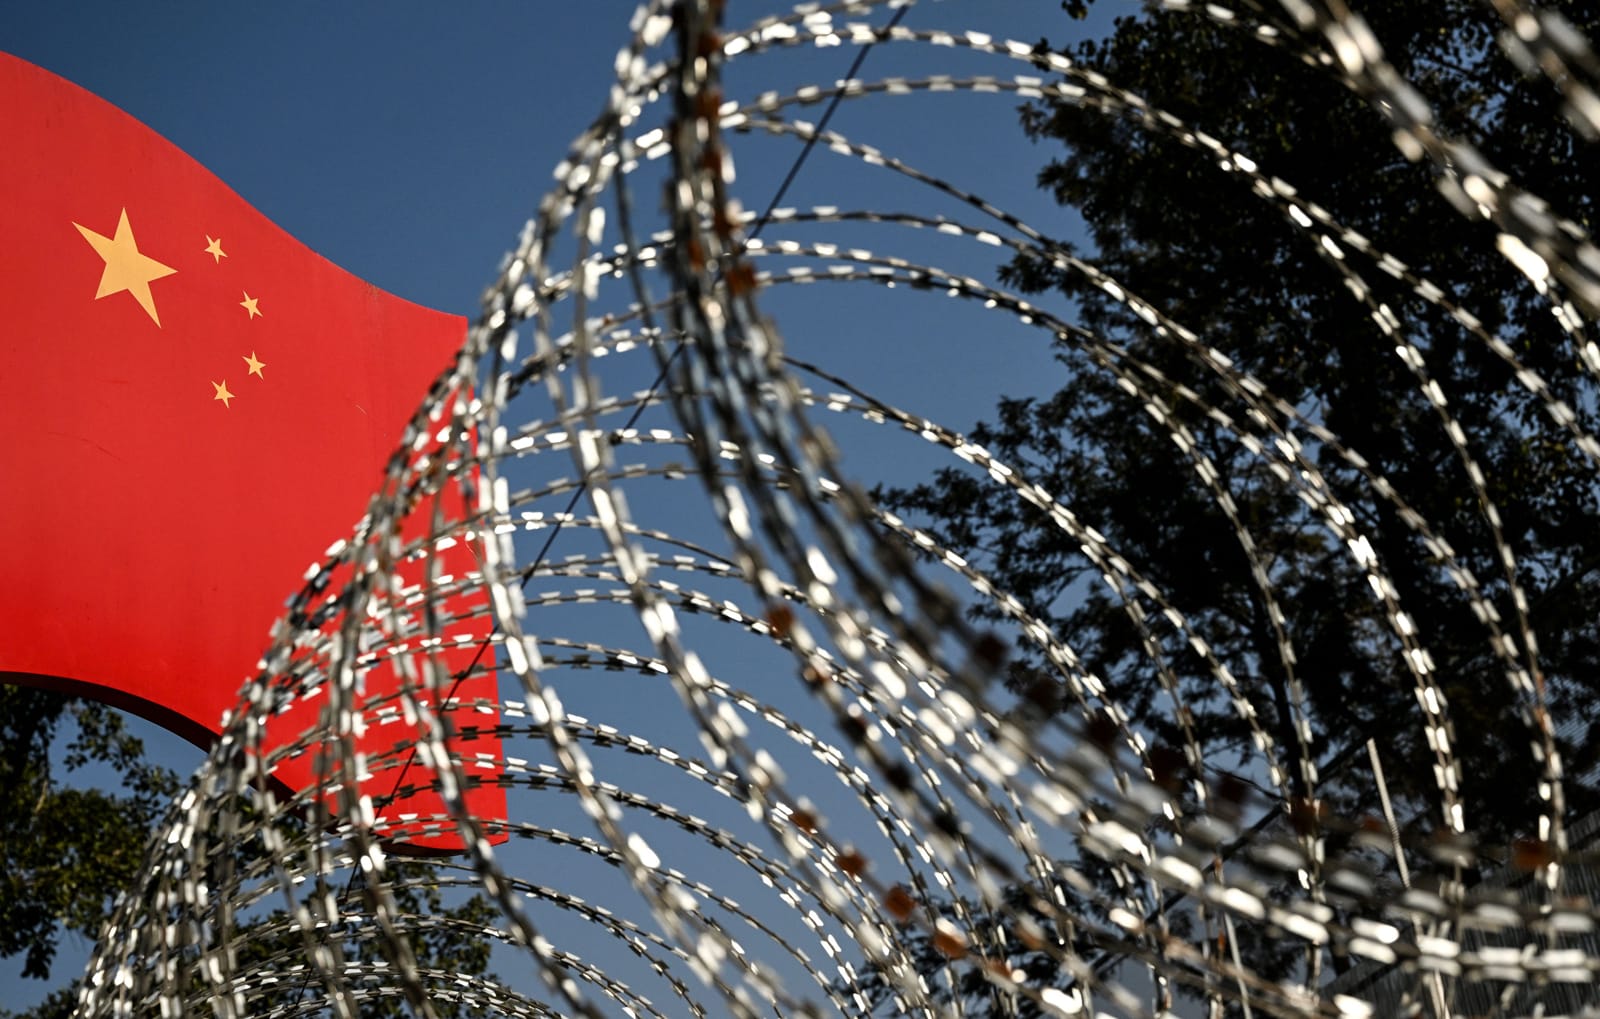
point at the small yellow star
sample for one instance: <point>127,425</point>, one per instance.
<point>214,249</point>
<point>255,366</point>
<point>222,392</point>
<point>249,304</point>
<point>127,268</point>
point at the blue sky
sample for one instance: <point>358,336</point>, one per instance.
<point>409,142</point>
<point>406,143</point>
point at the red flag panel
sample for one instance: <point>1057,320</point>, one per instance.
<point>196,407</point>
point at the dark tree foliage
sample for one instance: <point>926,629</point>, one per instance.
<point>439,921</point>
<point>444,944</point>
<point>66,851</point>
<point>1171,227</point>
<point>442,929</point>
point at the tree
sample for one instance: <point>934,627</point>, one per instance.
<point>66,851</point>
<point>1167,224</point>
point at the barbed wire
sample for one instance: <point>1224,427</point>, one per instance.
<point>810,790</point>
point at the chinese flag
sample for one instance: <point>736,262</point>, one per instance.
<point>196,407</point>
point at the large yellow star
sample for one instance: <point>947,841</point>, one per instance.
<point>222,392</point>
<point>127,268</point>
